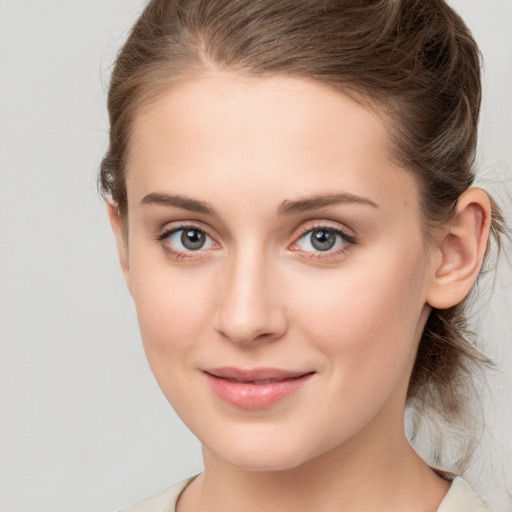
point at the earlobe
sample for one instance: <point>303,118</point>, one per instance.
<point>461,250</point>
<point>116,222</point>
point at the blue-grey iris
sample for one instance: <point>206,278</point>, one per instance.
<point>323,240</point>
<point>192,239</point>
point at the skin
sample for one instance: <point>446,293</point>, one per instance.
<point>259,294</point>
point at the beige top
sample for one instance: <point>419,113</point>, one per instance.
<point>460,498</point>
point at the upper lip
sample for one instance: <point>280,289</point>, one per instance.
<point>255,374</point>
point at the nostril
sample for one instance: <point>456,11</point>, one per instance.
<point>252,330</point>
<point>246,336</point>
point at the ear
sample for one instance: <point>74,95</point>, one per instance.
<point>122,243</point>
<point>460,250</point>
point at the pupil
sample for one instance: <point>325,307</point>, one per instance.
<point>192,239</point>
<point>323,240</point>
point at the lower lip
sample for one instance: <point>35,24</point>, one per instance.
<point>255,396</point>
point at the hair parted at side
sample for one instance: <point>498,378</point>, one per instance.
<point>414,61</point>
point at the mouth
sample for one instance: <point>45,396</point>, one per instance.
<point>255,388</point>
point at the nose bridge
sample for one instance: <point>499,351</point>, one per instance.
<point>248,308</point>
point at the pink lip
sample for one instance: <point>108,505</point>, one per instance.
<point>255,388</point>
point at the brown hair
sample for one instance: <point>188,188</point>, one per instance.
<point>414,60</point>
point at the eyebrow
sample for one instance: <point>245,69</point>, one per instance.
<point>321,201</point>
<point>182,202</point>
<point>287,207</point>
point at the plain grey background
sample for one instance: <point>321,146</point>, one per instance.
<point>83,426</point>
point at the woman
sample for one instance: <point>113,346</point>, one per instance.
<point>289,184</point>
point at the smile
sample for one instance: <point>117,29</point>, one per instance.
<point>257,388</point>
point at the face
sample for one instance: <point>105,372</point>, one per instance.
<point>276,259</point>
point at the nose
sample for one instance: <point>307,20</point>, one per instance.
<point>250,308</point>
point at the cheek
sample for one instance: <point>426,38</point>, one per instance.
<point>172,309</point>
<point>367,318</point>
<point>172,321</point>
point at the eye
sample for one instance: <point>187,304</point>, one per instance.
<point>323,239</point>
<point>186,239</point>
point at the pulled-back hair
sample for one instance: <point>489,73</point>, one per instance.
<point>413,61</point>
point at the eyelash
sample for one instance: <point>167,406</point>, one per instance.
<point>175,253</point>
<point>348,241</point>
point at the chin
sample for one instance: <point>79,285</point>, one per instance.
<point>264,462</point>
<point>276,454</point>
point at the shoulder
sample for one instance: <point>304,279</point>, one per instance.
<point>461,498</point>
<point>163,502</point>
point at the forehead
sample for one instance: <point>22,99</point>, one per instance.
<point>225,131</point>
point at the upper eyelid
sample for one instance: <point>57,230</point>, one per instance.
<point>325,224</point>
<point>169,228</point>
<point>347,239</point>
